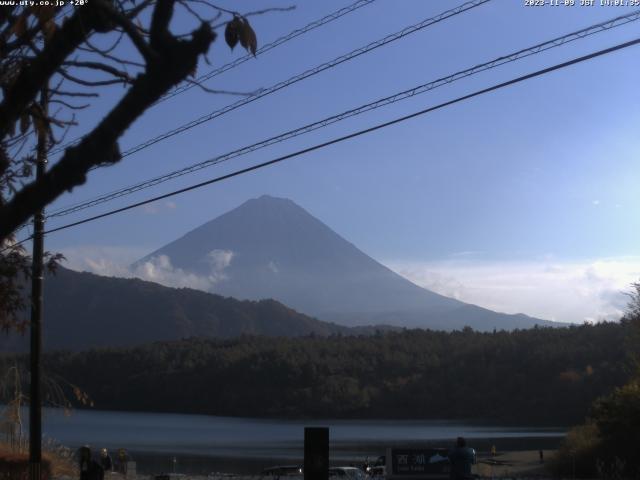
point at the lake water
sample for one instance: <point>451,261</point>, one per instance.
<point>207,443</point>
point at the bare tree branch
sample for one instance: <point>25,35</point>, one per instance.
<point>105,51</point>
<point>90,83</point>
<point>124,76</point>
<point>64,93</point>
<point>219,92</point>
<point>174,61</point>
<point>105,54</point>
<point>32,78</point>
<point>69,105</point>
<point>132,32</point>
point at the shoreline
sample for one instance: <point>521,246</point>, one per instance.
<point>507,464</point>
<point>341,454</point>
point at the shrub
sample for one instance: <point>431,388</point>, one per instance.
<point>578,453</point>
<point>618,419</point>
<point>15,466</point>
<point>56,461</point>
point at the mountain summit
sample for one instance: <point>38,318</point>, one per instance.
<point>272,248</point>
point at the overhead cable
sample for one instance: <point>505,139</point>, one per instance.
<point>358,133</point>
<point>423,88</point>
<point>240,60</point>
<point>306,74</point>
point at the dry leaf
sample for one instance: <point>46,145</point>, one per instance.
<point>232,32</point>
<point>44,13</point>
<point>40,122</point>
<point>20,27</point>
<point>248,37</point>
<point>49,28</point>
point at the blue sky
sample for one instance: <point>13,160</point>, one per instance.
<point>522,200</point>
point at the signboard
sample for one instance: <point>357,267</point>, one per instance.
<point>316,453</point>
<point>419,461</point>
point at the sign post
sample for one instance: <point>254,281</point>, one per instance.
<point>418,463</point>
<point>316,453</point>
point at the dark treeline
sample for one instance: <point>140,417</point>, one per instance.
<point>538,376</point>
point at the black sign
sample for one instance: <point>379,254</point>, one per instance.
<point>316,453</point>
<point>419,461</point>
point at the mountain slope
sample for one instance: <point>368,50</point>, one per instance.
<point>83,310</point>
<point>272,248</point>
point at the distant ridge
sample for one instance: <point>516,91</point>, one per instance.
<point>273,248</point>
<point>83,310</point>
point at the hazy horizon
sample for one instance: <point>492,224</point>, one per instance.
<point>507,287</point>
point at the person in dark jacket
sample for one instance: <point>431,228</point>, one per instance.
<point>105,462</point>
<point>96,471</point>
<point>84,461</point>
<point>461,458</point>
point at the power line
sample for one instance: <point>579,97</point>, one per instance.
<point>523,53</point>
<point>239,61</point>
<point>379,126</point>
<point>306,74</point>
<point>276,43</point>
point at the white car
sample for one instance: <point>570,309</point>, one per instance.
<point>347,473</point>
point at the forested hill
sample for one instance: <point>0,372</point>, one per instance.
<point>538,376</point>
<point>83,310</point>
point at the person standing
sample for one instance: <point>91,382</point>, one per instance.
<point>121,460</point>
<point>461,458</point>
<point>96,471</point>
<point>105,462</point>
<point>84,461</point>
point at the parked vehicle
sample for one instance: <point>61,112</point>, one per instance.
<point>377,472</point>
<point>283,471</point>
<point>347,473</point>
<point>368,466</point>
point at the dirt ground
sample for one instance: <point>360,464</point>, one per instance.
<point>525,463</point>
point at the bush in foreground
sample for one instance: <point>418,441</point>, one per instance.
<point>14,465</point>
<point>578,453</point>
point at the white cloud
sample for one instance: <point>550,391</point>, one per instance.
<point>549,289</point>
<point>218,261</point>
<point>273,267</point>
<point>159,270</point>
<point>158,207</point>
<point>116,261</point>
<point>101,259</point>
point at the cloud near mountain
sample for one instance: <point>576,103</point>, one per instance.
<point>112,262</point>
<point>272,248</point>
<point>571,291</point>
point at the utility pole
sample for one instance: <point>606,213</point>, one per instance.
<point>37,271</point>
